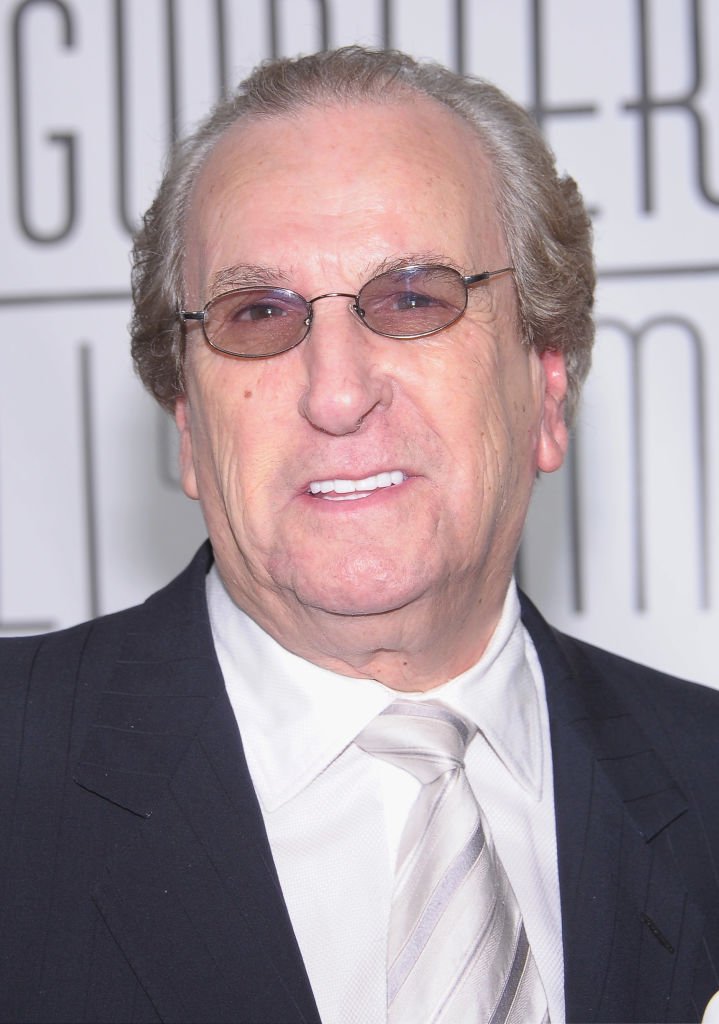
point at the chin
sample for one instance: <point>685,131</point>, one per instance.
<point>352,607</point>
<point>359,593</point>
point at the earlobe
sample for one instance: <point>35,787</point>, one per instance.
<point>188,477</point>
<point>553,435</point>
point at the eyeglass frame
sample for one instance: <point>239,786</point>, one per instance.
<point>467,280</point>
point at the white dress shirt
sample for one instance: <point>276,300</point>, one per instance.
<point>334,814</point>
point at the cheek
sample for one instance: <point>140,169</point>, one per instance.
<point>472,407</point>
<point>499,428</point>
<point>241,450</point>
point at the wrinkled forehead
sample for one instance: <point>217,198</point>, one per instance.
<point>365,175</point>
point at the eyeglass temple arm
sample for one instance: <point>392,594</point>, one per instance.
<point>185,314</point>
<point>477,278</point>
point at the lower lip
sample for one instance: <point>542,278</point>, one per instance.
<point>365,500</point>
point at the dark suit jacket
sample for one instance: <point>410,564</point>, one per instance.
<point>138,884</point>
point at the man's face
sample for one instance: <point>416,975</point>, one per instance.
<point>320,202</point>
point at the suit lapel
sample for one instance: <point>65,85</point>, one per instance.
<point>631,935</point>
<point>190,894</point>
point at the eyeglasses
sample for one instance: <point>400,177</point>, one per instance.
<point>411,302</point>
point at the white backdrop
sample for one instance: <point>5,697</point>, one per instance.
<point>622,546</point>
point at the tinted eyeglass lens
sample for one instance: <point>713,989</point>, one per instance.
<point>256,321</point>
<point>412,301</point>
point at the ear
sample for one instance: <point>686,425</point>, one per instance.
<point>188,477</point>
<point>553,435</point>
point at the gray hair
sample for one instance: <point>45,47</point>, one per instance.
<point>545,223</point>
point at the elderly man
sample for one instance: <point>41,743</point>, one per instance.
<point>334,771</point>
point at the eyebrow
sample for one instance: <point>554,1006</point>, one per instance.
<point>408,259</point>
<point>246,275</point>
<point>251,275</point>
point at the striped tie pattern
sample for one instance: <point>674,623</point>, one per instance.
<point>457,949</point>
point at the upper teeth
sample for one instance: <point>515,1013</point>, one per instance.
<point>369,483</point>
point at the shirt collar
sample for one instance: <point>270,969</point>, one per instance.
<point>296,718</point>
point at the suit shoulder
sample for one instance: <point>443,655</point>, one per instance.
<point>96,641</point>
<point>603,671</point>
<point>649,684</point>
<point>587,682</point>
<point>679,718</point>
<point>34,667</point>
<point>20,651</point>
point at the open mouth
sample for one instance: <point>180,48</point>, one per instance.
<point>347,490</point>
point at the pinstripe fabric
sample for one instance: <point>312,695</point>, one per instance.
<point>136,879</point>
<point>457,949</point>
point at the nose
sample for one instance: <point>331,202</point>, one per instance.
<point>345,380</point>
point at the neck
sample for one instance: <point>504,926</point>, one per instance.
<point>411,649</point>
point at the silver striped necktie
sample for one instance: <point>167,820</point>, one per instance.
<point>457,949</point>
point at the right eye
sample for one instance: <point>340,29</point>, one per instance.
<point>253,308</point>
<point>258,311</point>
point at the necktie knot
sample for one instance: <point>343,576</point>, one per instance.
<point>426,739</point>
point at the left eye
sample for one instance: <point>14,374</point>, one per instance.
<point>412,300</point>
